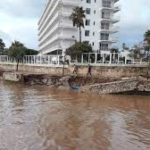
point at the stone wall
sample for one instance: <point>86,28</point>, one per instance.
<point>116,71</point>
<point>112,87</point>
<point>128,85</point>
<point>50,76</point>
<point>34,69</point>
<point>99,71</point>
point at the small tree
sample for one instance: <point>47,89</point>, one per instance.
<point>78,48</point>
<point>136,53</point>
<point>17,51</point>
<point>30,52</point>
<point>2,46</point>
<point>77,18</point>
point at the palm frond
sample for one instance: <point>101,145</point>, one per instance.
<point>78,16</point>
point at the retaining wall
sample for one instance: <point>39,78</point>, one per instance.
<point>97,71</point>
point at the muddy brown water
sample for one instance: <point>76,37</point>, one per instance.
<point>40,118</point>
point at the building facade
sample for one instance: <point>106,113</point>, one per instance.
<point>56,31</point>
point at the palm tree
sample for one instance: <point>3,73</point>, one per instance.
<point>17,51</point>
<point>2,46</point>
<point>77,18</point>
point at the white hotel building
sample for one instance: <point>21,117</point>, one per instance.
<point>56,31</point>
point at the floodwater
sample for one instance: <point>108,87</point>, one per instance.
<point>40,118</point>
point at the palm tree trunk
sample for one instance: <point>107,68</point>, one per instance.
<point>80,35</point>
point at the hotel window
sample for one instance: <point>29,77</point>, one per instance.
<point>88,1</point>
<point>87,22</point>
<point>88,10</point>
<point>105,25</point>
<point>104,36</point>
<point>103,46</point>
<point>106,3</point>
<point>87,33</point>
<point>106,14</point>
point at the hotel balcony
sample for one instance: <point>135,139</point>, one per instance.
<point>114,29</point>
<point>110,40</point>
<point>115,1</point>
<point>117,8</point>
<point>112,19</point>
<point>107,7</point>
<point>70,3</point>
<point>115,19</point>
<point>114,9</point>
<point>109,30</point>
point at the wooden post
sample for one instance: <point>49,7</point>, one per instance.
<point>103,58</point>
<point>110,61</point>
<point>118,59</point>
<point>82,59</point>
<point>89,58</point>
<point>95,58</point>
<point>58,59</point>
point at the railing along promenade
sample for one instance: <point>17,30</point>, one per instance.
<point>34,60</point>
<point>93,59</point>
<point>110,59</point>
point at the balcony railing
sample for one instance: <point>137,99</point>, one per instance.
<point>106,3</point>
<point>106,17</point>
<point>105,29</point>
<point>108,40</point>
<point>117,8</point>
<point>109,30</point>
<point>70,3</point>
<point>111,8</point>
<point>116,1</point>
<point>113,19</point>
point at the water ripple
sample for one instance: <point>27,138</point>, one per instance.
<point>35,118</point>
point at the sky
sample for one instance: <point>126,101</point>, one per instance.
<point>19,18</point>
